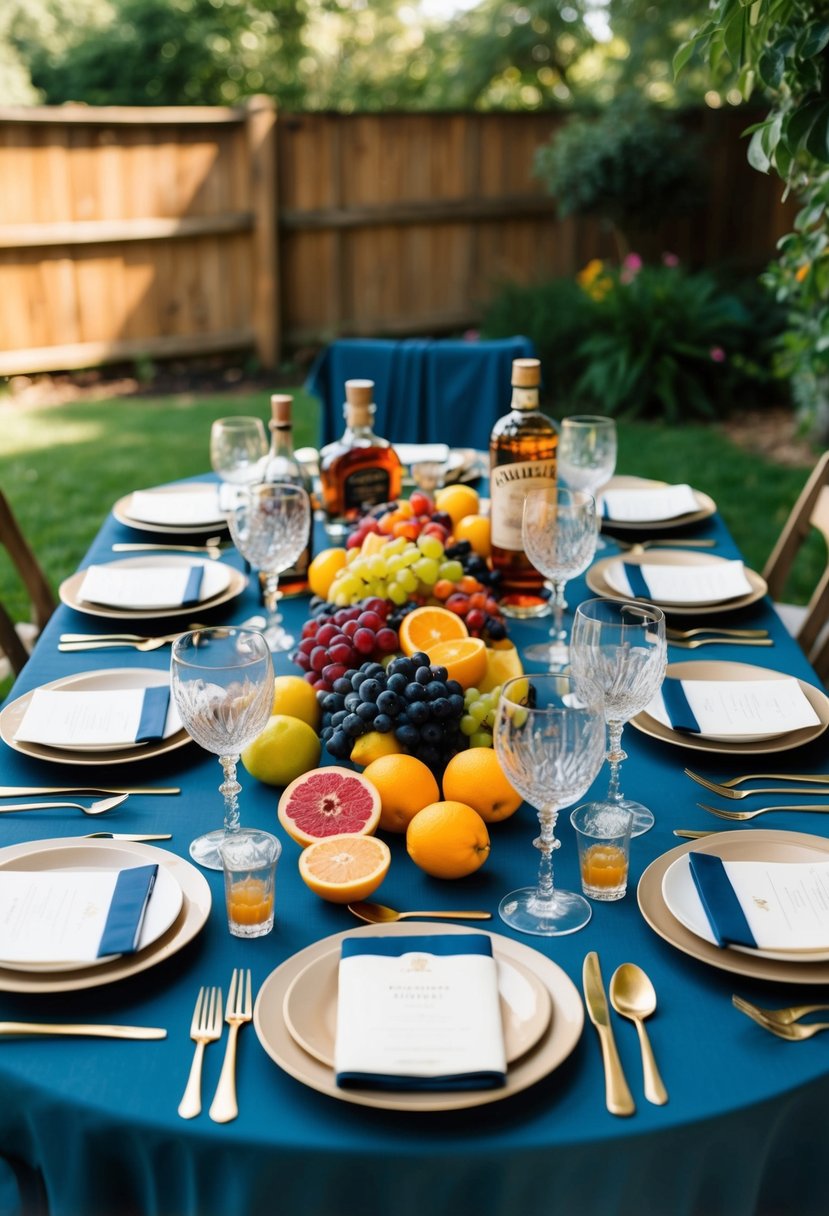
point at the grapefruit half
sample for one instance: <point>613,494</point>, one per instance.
<point>328,802</point>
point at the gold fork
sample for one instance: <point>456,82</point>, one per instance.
<point>682,634</point>
<point>726,791</point>
<point>634,546</point>
<point>818,778</point>
<point>784,1017</point>
<point>239,1010</point>
<point>206,1027</point>
<point>213,547</point>
<point>139,644</point>
<point>794,1032</point>
<point>694,643</point>
<point>740,816</point>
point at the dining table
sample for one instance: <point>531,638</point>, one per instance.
<point>89,1127</point>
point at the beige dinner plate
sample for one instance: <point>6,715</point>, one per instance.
<point>121,511</point>
<point>310,1006</point>
<point>553,1048</point>
<point>716,669</point>
<point>707,508</point>
<point>757,844</point>
<point>598,583</point>
<point>91,681</point>
<point>232,580</point>
<point>107,854</point>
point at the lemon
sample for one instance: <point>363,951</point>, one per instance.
<point>457,502</point>
<point>287,748</point>
<point>324,569</point>
<point>372,746</point>
<point>295,697</point>
<point>502,663</point>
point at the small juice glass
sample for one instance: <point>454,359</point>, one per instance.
<point>249,860</point>
<point>603,834</point>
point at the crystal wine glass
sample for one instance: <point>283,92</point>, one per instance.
<point>222,683</point>
<point>559,537</point>
<point>269,523</point>
<point>621,647</point>
<point>238,447</point>
<point>587,453</point>
<point>551,747</point>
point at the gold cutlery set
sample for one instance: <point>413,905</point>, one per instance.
<point>785,1023</point>
<point>691,639</point>
<point>206,1027</point>
<point>632,996</point>
<point>810,784</point>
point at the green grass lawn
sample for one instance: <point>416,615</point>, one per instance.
<point>63,466</point>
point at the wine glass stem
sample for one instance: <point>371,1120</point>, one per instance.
<point>229,789</point>
<point>558,633</point>
<point>615,756</point>
<point>546,843</point>
<point>272,598</point>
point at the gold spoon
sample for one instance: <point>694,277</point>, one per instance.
<point>95,808</point>
<point>379,914</point>
<point>633,996</point>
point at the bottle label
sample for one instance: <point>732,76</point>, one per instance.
<point>509,486</point>
<point>370,486</point>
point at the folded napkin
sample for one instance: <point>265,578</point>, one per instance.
<point>649,505</point>
<point>72,915</point>
<point>702,583</point>
<point>97,717</point>
<point>733,709</point>
<point>188,508</point>
<point>764,905</point>
<point>417,453</point>
<point>143,587</point>
<point>419,1013</point>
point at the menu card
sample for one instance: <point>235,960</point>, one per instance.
<point>199,506</point>
<point>143,587</point>
<point>703,583</point>
<point>651,505</point>
<point>98,718</point>
<point>72,915</point>
<point>733,708</point>
<point>419,1013</point>
<point>763,904</point>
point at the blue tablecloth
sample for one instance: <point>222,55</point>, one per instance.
<point>95,1122</point>
<point>426,390</point>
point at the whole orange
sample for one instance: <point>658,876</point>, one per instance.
<point>448,840</point>
<point>476,778</point>
<point>405,786</point>
<point>477,530</point>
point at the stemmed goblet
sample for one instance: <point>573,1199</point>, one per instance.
<point>222,684</point>
<point>587,453</point>
<point>269,523</point>
<point>621,648</point>
<point>238,447</point>
<point>558,531</point>
<point>551,747</point>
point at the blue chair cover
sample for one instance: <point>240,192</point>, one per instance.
<point>426,391</point>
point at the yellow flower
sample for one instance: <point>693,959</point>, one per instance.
<point>593,280</point>
<point>802,271</point>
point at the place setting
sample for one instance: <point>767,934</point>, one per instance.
<point>682,583</point>
<point>188,509</point>
<point>144,588</point>
<point>639,504</point>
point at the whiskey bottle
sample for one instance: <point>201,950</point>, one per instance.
<point>522,453</point>
<point>360,469</point>
<point>282,465</point>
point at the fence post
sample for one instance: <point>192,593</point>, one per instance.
<point>261,137</point>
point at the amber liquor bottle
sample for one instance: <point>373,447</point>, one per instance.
<point>282,465</point>
<point>359,470</point>
<point>522,454</point>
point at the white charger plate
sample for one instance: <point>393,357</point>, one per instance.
<point>121,511</point>
<point>706,507</point>
<point>220,583</point>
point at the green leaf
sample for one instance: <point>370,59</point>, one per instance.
<point>813,40</point>
<point>683,55</point>
<point>757,157</point>
<point>800,121</point>
<point>817,141</point>
<point>771,66</point>
<point>734,34</point>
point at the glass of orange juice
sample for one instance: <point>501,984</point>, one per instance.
<point>603,834</point>
<point>249,860</point>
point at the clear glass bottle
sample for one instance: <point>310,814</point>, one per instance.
<point>282,465</point>
<point>522,454</point>
<point>360,469</point>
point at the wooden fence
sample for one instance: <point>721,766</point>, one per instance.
<point>130,233</point>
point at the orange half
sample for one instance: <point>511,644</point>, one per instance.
<point>345,868</point>
<point>464,659</point>
<point>425,627</point>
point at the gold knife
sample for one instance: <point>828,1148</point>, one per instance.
<point>22,791</point>
<point>617,1095</point>
<point>90,1031</point>
<point>692,834</point>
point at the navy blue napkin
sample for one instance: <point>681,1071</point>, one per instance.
<point>153,714</point>
<point>638,583</point>
<point>465,943</point>
<point>679,712</point>
<point>126,912</point>
<point>719,899</point>
<point>192,590</point>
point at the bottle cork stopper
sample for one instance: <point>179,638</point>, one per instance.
<point>359,392</point>
<point>281,409</point>
<point>526,373</point>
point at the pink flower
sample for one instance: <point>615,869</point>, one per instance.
<point>717,354</point>
<point>631,266</point>
<point>670,259</point>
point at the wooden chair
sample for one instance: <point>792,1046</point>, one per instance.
<point>809,625</point>
<point>16,641</point>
